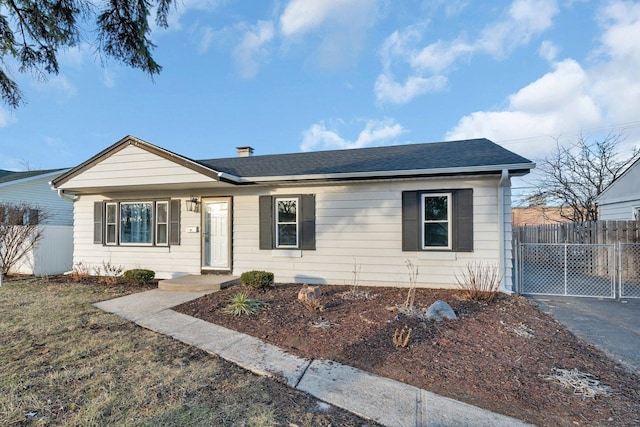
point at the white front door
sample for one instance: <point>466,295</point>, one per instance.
<point>216,247</point>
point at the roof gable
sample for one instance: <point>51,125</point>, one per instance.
<point>132,162</point>
<point>625,185</point>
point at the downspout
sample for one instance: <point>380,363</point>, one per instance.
<point>66,197</point>
<point>502,264</point>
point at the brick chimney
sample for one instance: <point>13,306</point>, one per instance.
<point>245,151</point>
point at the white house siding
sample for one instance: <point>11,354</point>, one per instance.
<point>37,191</point>
<point>359,225</point>
<point>621,210</point>
<point>165,261</point>
<point>619,200</point>
<point>134,166</point>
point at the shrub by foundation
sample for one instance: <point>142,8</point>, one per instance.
<point>139,276</point>
<point>257,279</point>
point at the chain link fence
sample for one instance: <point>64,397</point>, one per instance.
<point>629,270</point>
<point>587,270</point>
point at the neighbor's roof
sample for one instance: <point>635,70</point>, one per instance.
<point>15,176</point>
<point>466,154</point>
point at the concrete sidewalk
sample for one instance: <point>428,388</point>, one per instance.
<point>383,400</point>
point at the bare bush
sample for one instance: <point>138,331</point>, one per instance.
<point>479,281</point>
<point>20,231</point>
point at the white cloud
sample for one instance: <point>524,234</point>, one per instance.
<point>58,85</point>
<point>302,16</point>
<point>344,24</point>
<point>548,50</point>
<point>375,132</point>
<point>558,102</point>
<point>571,99</point>
<point>389,90</point>
<point>525,18</point>
<point>252,47</point>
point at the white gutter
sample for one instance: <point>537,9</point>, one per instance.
<point>504,178</point>
<point>376,174</point>
<point>64,196</point>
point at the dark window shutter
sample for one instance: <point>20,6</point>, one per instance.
<point>98,221</point>
<point>174,222</point>
<point>411,221</point>
<point>266,222</point>
<point>34,217</point>
<point>308,222</point>
<point>463,220</point>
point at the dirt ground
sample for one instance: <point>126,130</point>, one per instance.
<point>499,355</point>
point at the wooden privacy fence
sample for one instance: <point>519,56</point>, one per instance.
<point>590,232</point>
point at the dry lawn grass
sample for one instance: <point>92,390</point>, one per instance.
<point>65,362</point>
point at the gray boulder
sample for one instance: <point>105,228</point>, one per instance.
<point>440,310</point>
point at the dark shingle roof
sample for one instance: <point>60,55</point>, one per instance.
<point>440,155</point>
<point>14,176</point>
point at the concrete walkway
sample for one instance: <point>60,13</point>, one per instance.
<point>383,400</point>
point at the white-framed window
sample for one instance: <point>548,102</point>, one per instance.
<point>436,221</point>
<point>111,224</point>
<point>136,223</point>
<point>636,213</point>
<point>162,223</point>
<point>286,222</point>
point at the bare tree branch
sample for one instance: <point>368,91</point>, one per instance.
<point>574,177</point>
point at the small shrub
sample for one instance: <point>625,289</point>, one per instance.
<point>111,273</point>
<point>139,276</point>
<point>401,337</point>
<point>80,271</point>
<point>242,304</point>
<point>480,281</point>
<point>257,279</point>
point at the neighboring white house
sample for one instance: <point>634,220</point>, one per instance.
<point>306,217</point>
<point>54,252</point>
<point>621,199</point>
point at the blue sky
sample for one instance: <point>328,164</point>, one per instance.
<point>299,75</point>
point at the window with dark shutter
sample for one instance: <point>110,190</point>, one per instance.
<point>429,230</point>
<point>98,215</point>
<point>299,228</point>
<point>174,222</point>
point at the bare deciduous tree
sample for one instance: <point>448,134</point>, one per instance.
<point>20,231</point>
<point>573,177</point>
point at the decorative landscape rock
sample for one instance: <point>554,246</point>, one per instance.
<point>309,293</point>
<point>440,310</point>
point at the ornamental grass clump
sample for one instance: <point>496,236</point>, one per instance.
<point>240,303</point>
<point>480,281</point>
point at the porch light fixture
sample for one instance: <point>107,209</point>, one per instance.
<point>193,204</point>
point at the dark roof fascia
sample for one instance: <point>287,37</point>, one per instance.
<point>16,177</point>
<point>131,140</point>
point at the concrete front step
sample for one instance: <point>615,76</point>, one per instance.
<point>198,283</point>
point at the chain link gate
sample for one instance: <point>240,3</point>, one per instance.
<point>586,270</point>
<point>629,265</point>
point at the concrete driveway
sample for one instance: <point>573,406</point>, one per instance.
<point>611,325</point>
